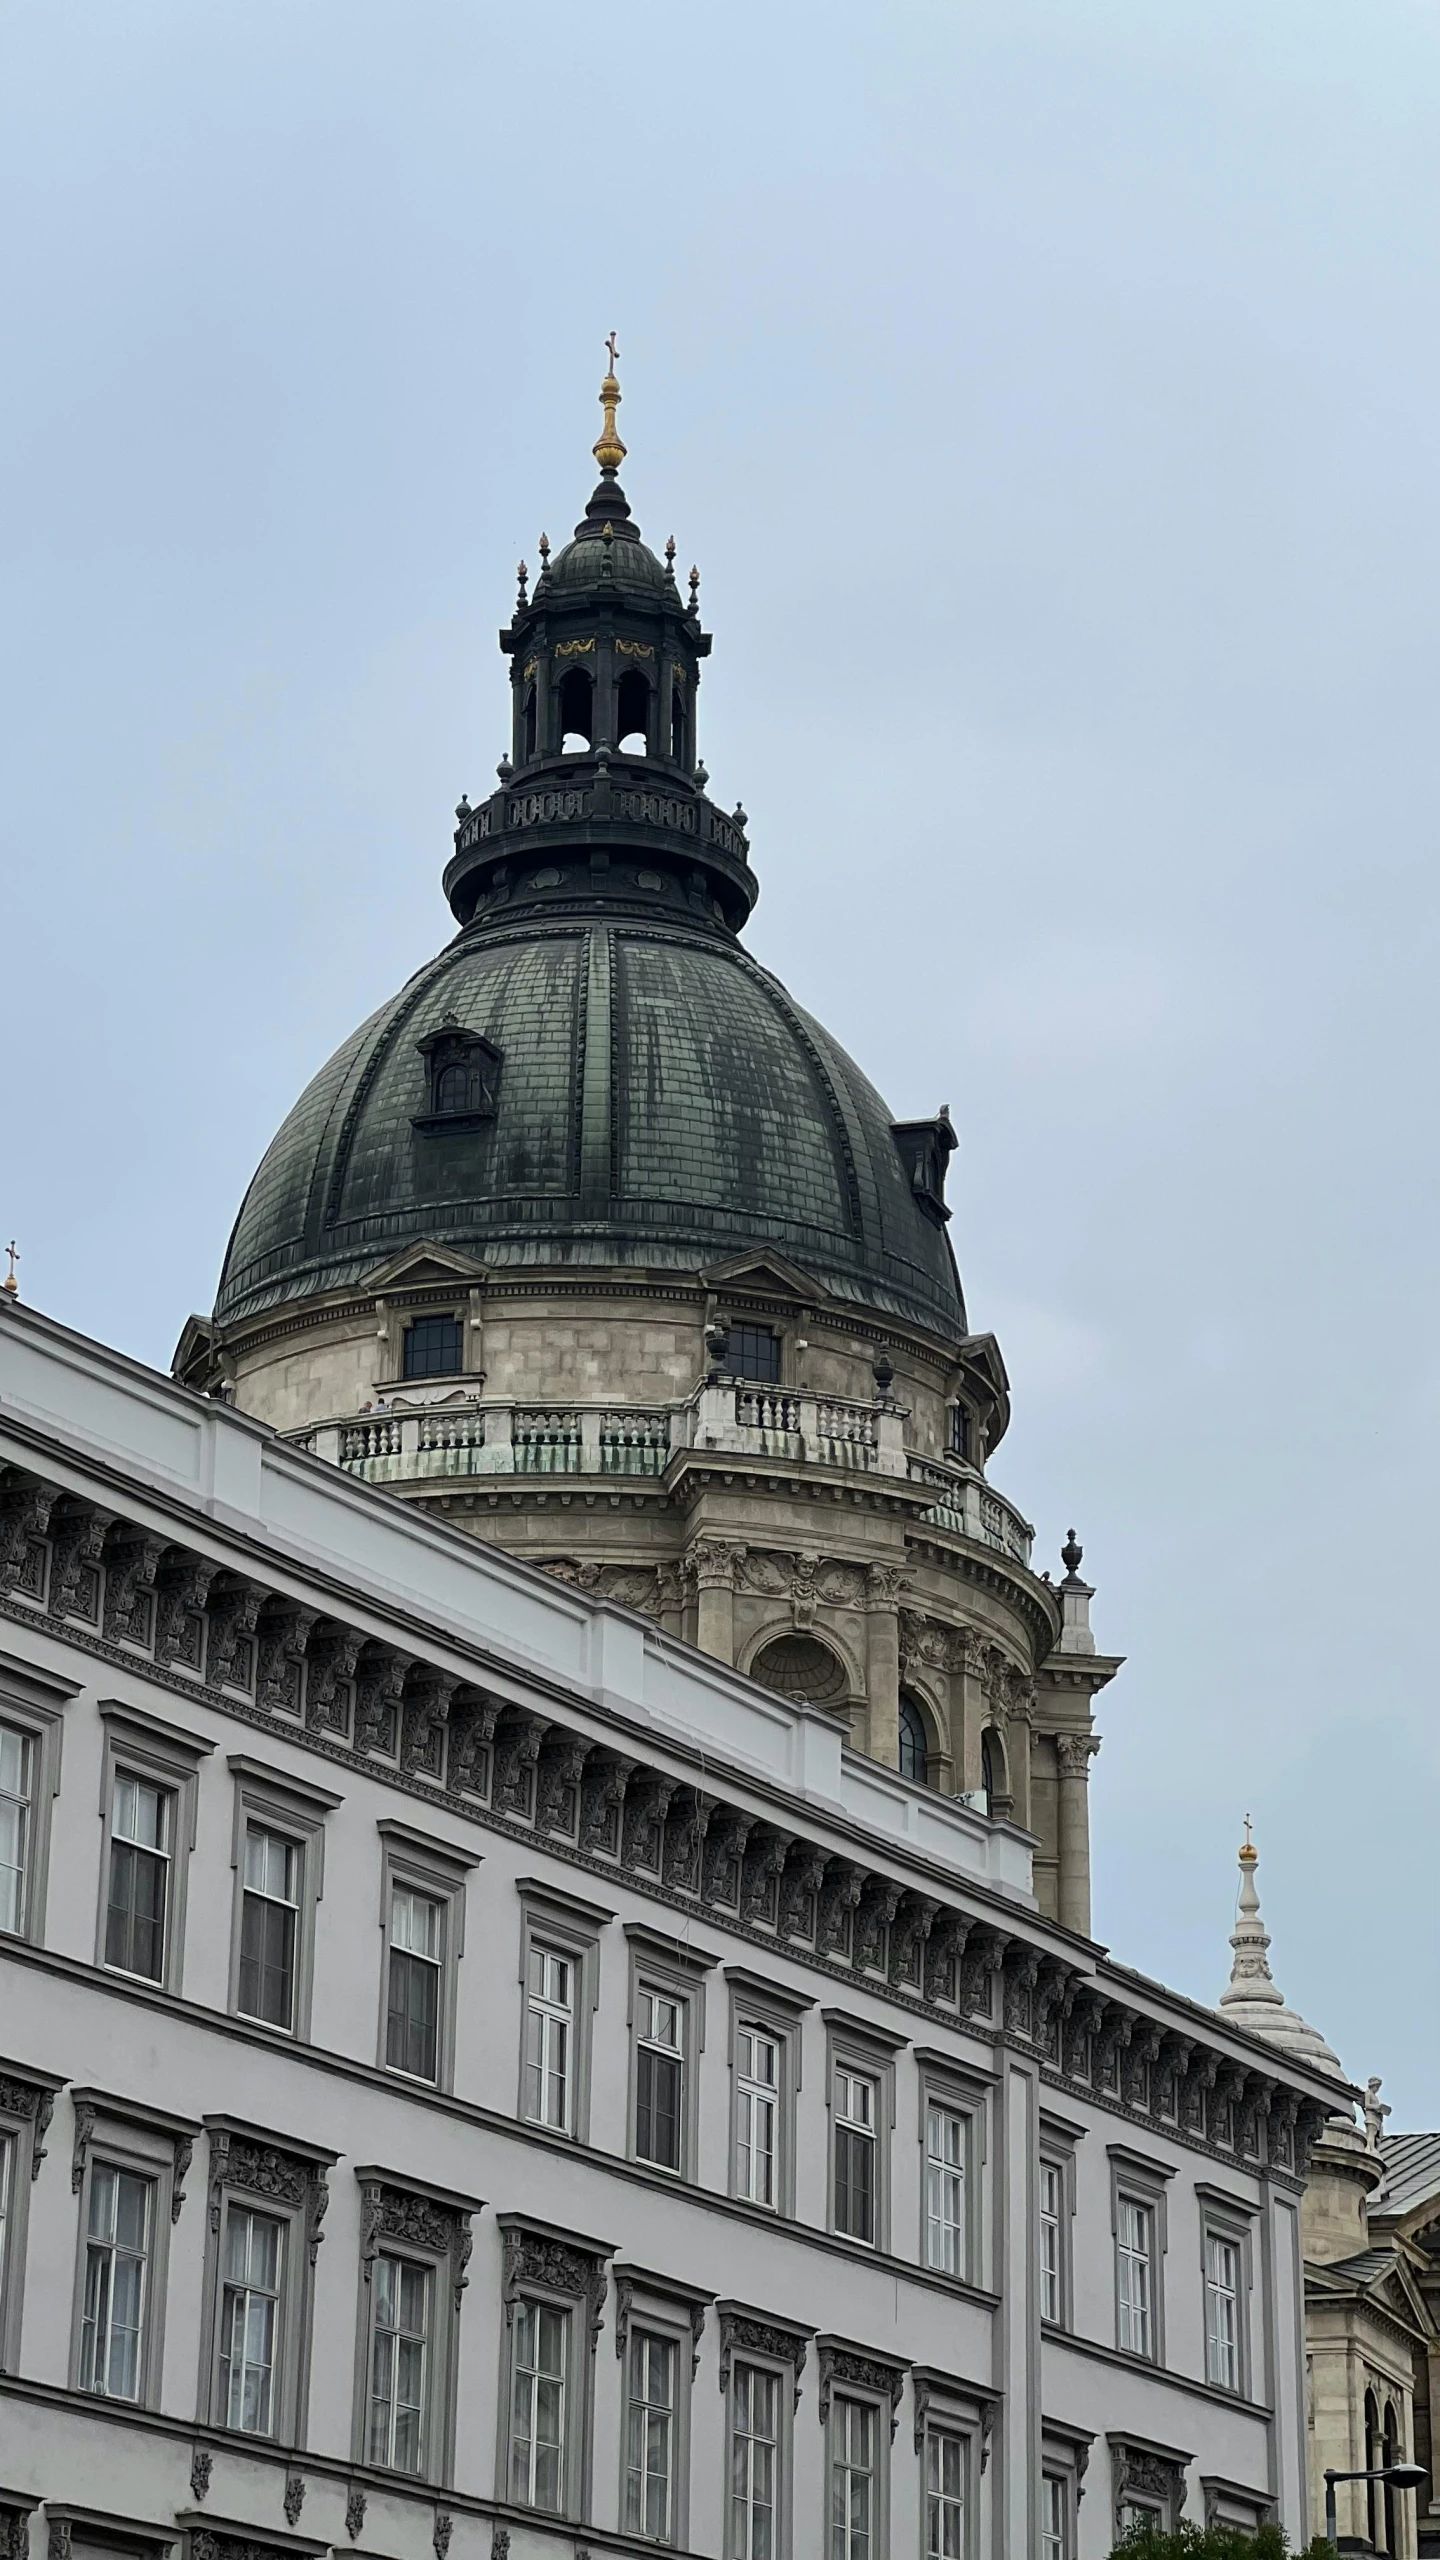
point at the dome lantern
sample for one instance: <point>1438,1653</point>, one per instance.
<point>605,657</point>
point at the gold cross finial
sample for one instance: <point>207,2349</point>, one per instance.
<point>1247,1830</point>
<point>609,451</point>
<point>10,1284</point>
<point>1249,1854</point>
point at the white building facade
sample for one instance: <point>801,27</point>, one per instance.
<point>479,2078</point>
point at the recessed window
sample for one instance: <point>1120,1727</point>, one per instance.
<point>17,1755</point>
<point>945,2487</point>
<point>539,2413</point>
<point>400,2363</point>
<point>650,2436</point>
<point>1134,2243</point>
<point>141,1829</point>
<point>758,2064</point>
<point>117,2255</point>
<point>550,2038</point>
<point>914,1745</point>
<point>853,2480</point>
<point>433,1347</point>
<point>1054,2517</point>
<point>753,1351</point>
<point>754,2463</point>
<point>1222,2312</point>
<point>269,1920</point>
<point>250,2320</point>
<point>660,2036</point>
<point>1052,2235</point>
<point>412,2023</point>
<point>959,1431</point>
<point>856,2135</point>
<point>946,2136</point>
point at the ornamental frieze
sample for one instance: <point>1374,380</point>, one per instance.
<point>742,2333</point>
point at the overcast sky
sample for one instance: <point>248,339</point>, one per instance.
<point>1048,395</point>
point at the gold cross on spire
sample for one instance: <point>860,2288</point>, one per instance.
<point>10,1284</point>
<point>609,451</point>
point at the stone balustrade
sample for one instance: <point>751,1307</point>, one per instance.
<point>497,1435</point>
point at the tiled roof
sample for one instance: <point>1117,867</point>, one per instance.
<point>1411,2163</point>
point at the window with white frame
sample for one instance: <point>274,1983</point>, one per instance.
<point>1054,2226</point>
<point>137,1905</point>
<point>17,1765</point>
<point>148,1803</point>
<point>661,2030</point>
<point>8,2148</point>
<point>855,2097</point>
<point>278,1855</point>
<point>267,2202</point>
<point>402,2318</point>
<point>269,1926</point>
<point>1055,2516</point>
<point>414,1983</point>
<point>947,2142</point>
<point>651,2434</point>
<point>755,2463</point>
<point>550,2036</point>
<point>118,2241</point>
<point>539,2406</point>
<point>1134,2275</point>
<point>1222,2310</point>
<point>759,2065</point>
<point>31,1731</point>
<point>422,1910</point>
<point>250,2319</point>
<point>947,2464</point>
<point>854,2480</point>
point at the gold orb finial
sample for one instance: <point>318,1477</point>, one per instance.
<point>1249,1854</point>
<point>609,451</point>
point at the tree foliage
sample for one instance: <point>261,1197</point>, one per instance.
<point>1215,2542</point>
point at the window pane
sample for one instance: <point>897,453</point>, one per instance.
<point>649,2435</point>
<point>945,2136</point>
<point>266,1986</point>
<point>135,1914</point>
<point>753,1352</point>
<point>548,2039</point>
<point>113,2313</point>
<point>413,2016</point>
<point>432,1345</point>
<point>657,2107</point>
<point>415,1923</point>
<point>757,2114</point>
<point>537,2408</point>
<point>249,2320</point>
<point>401,2295</point>
<point>754,2463</point>
<point>1054,2519</point>
<point>15,1783</point>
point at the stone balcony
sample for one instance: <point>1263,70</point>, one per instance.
<point>438,1434</point>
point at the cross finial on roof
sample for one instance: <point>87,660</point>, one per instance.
<point>10,1284</point>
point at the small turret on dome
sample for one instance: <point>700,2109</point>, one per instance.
<point>1252,1998</point>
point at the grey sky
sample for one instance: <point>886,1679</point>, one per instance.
<point>1049,396</point>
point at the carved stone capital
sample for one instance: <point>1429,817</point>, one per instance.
<point>1074,1753</point>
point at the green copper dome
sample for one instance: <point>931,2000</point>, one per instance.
<point>651,1099</point>
<point>595,1075</point>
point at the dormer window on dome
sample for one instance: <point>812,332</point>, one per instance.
<point>462,1078</point>
<point>927,1146</point>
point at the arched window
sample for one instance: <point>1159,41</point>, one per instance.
<point>576,722</point>
<point>679,727</point>
<point>530,722</point>
<point>994,1773</point>
<point>632,714</point>
<point>1373,2457</point>
<point>914,1743</point>
<point>1390,2454</point>
<point>457,1088</point>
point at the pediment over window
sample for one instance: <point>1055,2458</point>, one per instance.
<point>426,1266</point>
<point>768,1273</point>
<point>462,1078</point>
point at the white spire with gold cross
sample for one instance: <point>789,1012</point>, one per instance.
<point>1253,1999</point>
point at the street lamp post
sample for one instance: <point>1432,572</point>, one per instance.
<point>1400,2475</point>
